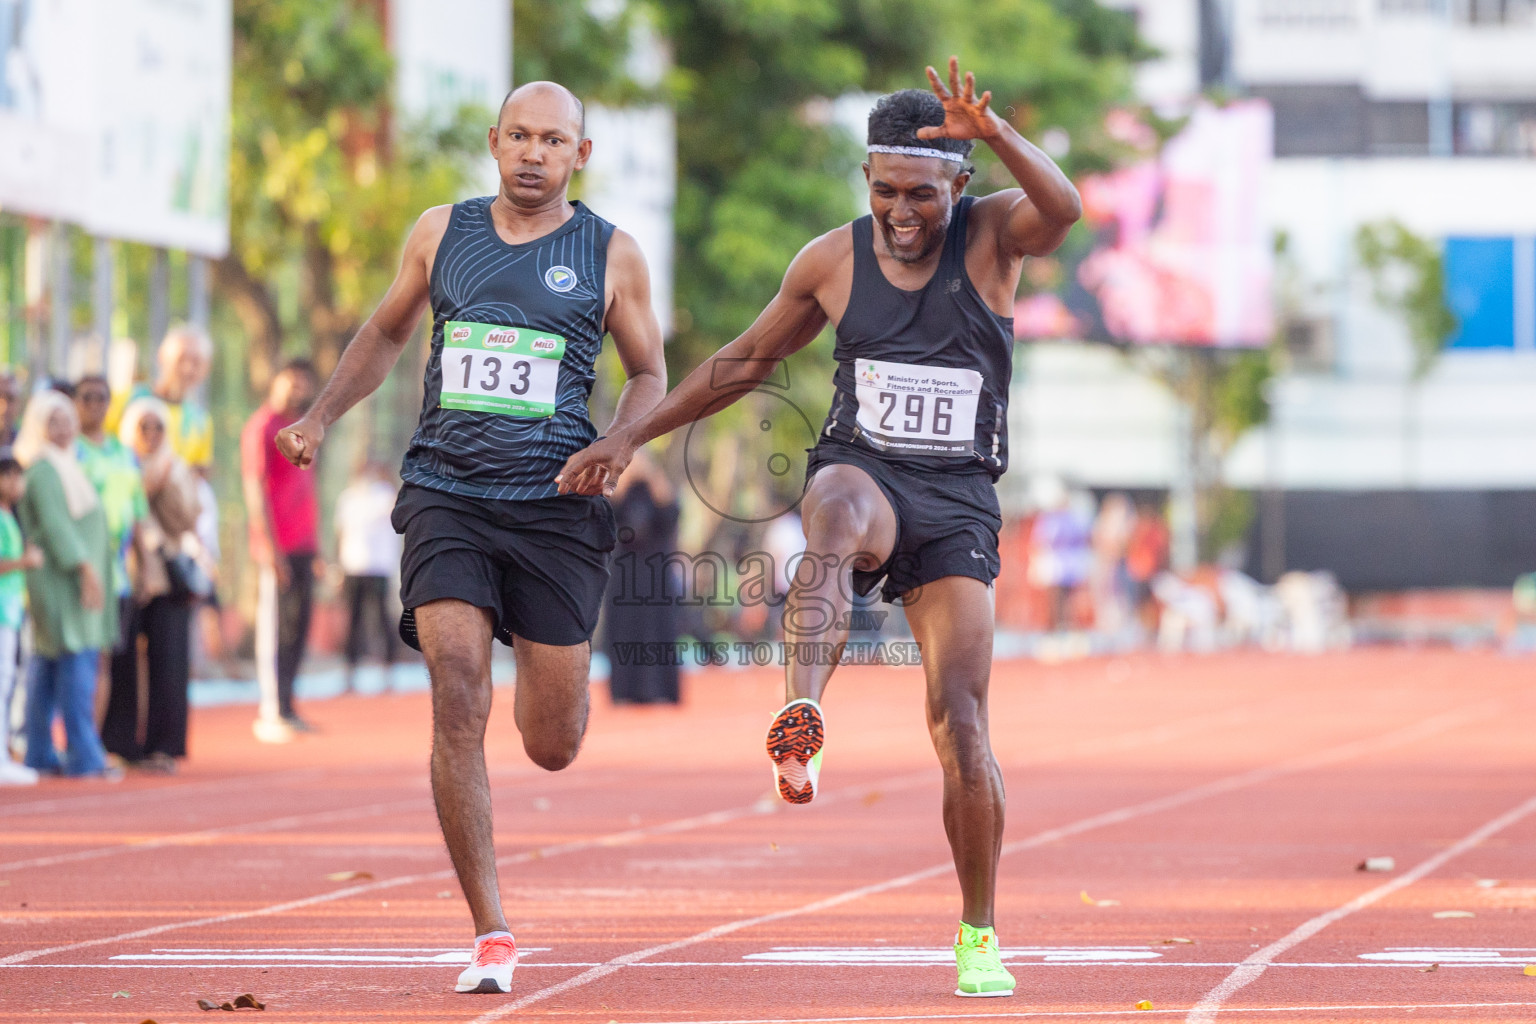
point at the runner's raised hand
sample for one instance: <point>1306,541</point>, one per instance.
<point>965,116</point>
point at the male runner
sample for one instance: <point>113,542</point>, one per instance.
<point>522,287</point>
<point>900,484</point>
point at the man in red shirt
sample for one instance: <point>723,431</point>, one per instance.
<point>283,514</point>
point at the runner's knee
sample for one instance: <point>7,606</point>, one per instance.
<point>839,525</point>
<point>553,750</point>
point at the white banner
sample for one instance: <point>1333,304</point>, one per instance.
<point>114,114</point>
<point>631,180</point>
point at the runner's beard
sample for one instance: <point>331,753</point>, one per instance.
<point>932,235</point>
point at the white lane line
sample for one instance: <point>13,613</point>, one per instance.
<point>1249,970</point>
<point>1356,748</point>
<point>245,965</point>
<point>198,837</point>
<point>117,798</point>
<point>1058,1014</point>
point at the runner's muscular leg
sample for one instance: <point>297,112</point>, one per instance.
<point>952,619</point>
<point>552,700</point>
<point>455,636</point>
<point>849,524</point>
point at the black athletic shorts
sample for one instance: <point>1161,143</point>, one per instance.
<point>946,523</point>
<point>540,566</point>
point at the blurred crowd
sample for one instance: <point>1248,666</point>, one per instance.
<point>109,563</point>
<point>1097,578</point>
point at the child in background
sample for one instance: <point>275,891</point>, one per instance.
<point>14,558</point>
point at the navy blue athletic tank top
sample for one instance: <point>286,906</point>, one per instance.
<point>922,376</point>
<point>515,331</point>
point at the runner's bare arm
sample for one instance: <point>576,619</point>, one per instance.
<point>373,351</point>
<point>636,337</point>
<point>1029,223</point>
<point>789,323</point>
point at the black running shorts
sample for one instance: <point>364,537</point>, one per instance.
<point>946,522</point>
<point>540,566</point>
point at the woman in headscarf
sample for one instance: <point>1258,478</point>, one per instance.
<point>71,618</point>
<point>166,550</point>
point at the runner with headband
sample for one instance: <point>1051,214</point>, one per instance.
<point>899,487</point>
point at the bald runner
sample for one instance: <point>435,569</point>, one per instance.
<point>522,287</point>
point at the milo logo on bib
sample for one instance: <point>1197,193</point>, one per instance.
<point>507,371</point>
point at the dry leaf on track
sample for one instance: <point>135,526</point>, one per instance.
<point>1145,1004</point>
<point>1429,969</point>
<point>1454,913</point>
<point>248,1000</point>
<point>349,876</point>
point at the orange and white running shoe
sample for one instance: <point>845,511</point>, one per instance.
<point>794,744</point>
<point>491,968</point>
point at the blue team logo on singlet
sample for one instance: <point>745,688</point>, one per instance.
<point>560,279</point>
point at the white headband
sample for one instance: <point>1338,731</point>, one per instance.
<point>918,151</point>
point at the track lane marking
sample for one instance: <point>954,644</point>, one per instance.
<point>1129,740</point>
<point>1205,1011</point>
<point>1056,1014</point>
<point>1355,748</point>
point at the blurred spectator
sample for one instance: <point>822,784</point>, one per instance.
<point>642,614</point>
<point>1146,555</point>
<point>182,365</point>
<point>368,549</point>
<point>283,516</point>
<point>114,471</point>
<point>72,620</point>
<point>1059,549</point>
<point>10,392</point>
<point>207,628</point>
<point>14,557</point>
<point>167,582</point>
<point>1108,581</point>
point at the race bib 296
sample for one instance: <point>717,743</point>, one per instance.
<point>510,371</point>
<point>909,409</point>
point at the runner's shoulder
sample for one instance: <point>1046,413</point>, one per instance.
<point>820,258</point>
<point>993,209</point>
<point>432,225</point>
<point>624,254</point>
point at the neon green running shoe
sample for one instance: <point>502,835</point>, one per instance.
<point>980,964</point>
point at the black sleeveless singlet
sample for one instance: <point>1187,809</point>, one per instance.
<point>551,287</point>
<point>910,364</point>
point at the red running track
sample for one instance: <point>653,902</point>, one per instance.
<point>1212,810</point>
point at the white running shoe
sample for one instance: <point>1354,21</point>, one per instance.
<point>13,774</point>
<point>270,730</point>
<point>491,968</point>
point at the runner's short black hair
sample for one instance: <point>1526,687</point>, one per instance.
<point>897,117</point>
<point>8,463</point>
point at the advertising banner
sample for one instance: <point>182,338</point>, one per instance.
<point>115,116</point>
<point>1179,252</point>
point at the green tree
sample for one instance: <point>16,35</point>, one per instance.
<point>323,185</point>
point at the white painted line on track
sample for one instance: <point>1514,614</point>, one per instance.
<point>1356,748</point>
<point>596,842</point>
<point>200,836</point>
<point>1251,968</point>
<point>118,797</point>
<point>132,964</point>
<point>1058,1014</point>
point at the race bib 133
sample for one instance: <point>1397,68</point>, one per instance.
<point>510,371</point>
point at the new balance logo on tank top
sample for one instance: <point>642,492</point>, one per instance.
<point>515,331</point>
<point>922,376</point>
